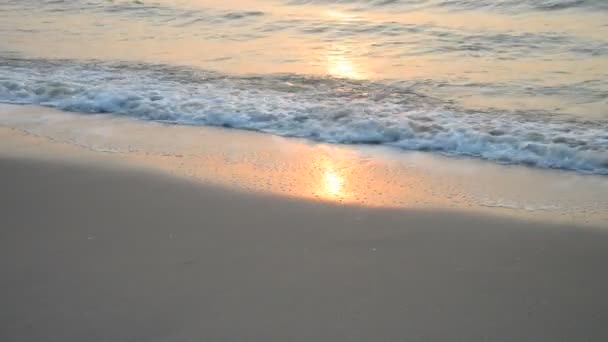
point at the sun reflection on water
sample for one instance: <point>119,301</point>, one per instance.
<point>340,15</point>
<point>341,64</point>
<point>342,68</point>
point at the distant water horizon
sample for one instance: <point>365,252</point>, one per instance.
<point>522,82</point>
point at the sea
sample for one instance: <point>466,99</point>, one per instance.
<point>508,81</point>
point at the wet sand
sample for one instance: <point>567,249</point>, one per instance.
<point>92,252</point>
<point>370,176</point>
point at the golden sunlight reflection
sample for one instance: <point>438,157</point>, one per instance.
<point>342,68</point>
<point>340,15</point>
<point>340,64</point>
<point>333,183</point>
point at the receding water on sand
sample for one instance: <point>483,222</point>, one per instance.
<point>362,175</point>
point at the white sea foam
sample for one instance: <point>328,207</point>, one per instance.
<point>324,109</point>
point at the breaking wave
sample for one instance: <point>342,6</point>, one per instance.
<point>324,109</point>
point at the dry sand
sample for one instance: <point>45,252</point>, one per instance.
<point>103,253</point>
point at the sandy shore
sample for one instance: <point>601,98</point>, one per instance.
<point>369,176</point>
<point>94,253</point>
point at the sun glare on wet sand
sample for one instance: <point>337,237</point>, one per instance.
<point>333,182</point>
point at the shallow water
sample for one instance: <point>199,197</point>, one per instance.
<point>519,81</point>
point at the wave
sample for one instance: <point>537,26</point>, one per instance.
<point>162,11</point>
<point>398,39</point>
<point>395,38</point>
<point>493,5</point>
<point>319,108</point>
<point>136,9</point>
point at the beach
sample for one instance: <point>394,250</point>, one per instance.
<point>303,170</point>
<point>106,253</point>
<point>111,246</point>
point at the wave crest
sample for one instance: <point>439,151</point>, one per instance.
<point>319,108</point>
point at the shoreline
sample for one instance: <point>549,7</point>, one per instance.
<point>295,168</point>
<point>92,253</point>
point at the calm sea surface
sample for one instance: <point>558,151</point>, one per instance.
<point>513,81</point>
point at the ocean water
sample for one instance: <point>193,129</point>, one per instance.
<point>518,81</point>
